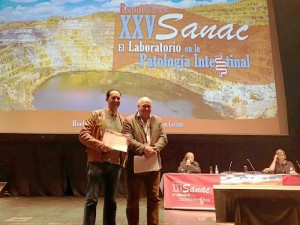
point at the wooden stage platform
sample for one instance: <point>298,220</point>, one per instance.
<point>69,211</point>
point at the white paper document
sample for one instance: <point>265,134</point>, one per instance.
<point>143,164</point>
<point>115,140</point>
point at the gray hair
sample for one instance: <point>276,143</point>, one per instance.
<point>143,99</point>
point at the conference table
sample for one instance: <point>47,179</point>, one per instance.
<point>196,191</point>
<point>257,204</point>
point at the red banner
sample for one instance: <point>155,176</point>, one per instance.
<point>291,180</point>
<point>194,191</point>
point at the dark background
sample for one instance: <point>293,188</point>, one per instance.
<point>54,165</point>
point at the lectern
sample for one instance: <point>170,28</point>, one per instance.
<point>257,204</point>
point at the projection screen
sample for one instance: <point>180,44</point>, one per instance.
<point>210,67</point>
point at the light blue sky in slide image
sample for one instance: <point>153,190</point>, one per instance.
<point>27,10</point>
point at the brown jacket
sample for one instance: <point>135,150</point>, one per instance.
<point>92,133</point>
<point>134,128</point>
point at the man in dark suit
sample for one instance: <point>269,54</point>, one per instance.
<point>147,138</point>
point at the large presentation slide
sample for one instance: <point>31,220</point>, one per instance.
<point>210,66</point>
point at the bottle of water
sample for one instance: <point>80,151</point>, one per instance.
<point>292,171</point>
<point>211,169</point>
<point>216,169</point>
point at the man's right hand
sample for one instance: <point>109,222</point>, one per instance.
<point>149,151</point>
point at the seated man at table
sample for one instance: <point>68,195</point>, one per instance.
<point>188,164</point>
<point>280,165</point>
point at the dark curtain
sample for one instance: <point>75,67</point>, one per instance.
<point>37,169</point>
<point>46,168</point>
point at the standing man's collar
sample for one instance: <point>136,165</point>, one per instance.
<point>111,113</point>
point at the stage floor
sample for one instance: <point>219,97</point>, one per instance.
<point>69,211</point>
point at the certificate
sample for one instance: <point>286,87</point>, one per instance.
<point>115,140</point>
<point>143,164</point>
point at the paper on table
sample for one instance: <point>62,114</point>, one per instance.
<point>143,164</point>
<point>115,140</point>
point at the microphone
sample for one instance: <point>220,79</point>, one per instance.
<point>298,164</point>
<point>229,170</point>
<point>251,166</point>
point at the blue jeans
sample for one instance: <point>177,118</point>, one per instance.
<point>107,174</point>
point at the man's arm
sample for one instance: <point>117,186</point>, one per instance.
<point>292,169</point>
<point>182,167</point>
<point>195,168</point>
<point>162,140</point>
<point>273,164</point>
<point>130,130</point>
<point>89,129</point>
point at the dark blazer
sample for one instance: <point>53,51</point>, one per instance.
<point>134,128</point>
<point>193,168</point>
